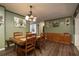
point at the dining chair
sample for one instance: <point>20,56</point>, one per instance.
<point>41,42</point>
<point>17,34</point>
<point>29,34</point>
<point>29,46</point>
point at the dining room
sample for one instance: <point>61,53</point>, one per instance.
<point>38,29</point>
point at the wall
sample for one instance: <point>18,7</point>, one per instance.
<point>7,29</point>
<point>77,31</point>
<point>62,28</point>
<point>40,28</point>
<point>10,25</point>
<point>2,37</point>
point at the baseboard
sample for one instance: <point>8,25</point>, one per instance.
<point>10,45</point>
<point>77,47</point>
<point>2,49</point>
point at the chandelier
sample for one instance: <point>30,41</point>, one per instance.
<point>30,17</point>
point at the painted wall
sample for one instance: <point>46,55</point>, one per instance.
<point>40,28</point>
<point>10,25</point>
<point>41,24</point>
<point>62,28</point>
<point>7,29</point>
<point>2,40</point>
<point>77,31</point>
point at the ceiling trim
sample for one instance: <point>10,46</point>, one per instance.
<point>76,11</point>
<point>14,13</point>
<point>11,11</point>
<point>2,6</point>
<point>58,18</point>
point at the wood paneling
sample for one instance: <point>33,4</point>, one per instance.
<point>59,37</point>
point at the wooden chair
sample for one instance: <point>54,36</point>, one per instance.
<point>30,34</point>
<point>29,46</point>
<point>41,42</point>
<point>15,35</point>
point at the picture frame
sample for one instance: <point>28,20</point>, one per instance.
<point>1,20</point>
<point>55,23</point>
<point>19,22</point>
<point>67,21</point>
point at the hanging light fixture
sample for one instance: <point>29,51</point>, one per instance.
<point>30,17</point>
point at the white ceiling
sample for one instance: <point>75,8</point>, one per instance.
<point>44,11</point>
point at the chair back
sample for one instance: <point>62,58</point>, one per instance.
<point>42,37</point>
<point>17,34</point>
<point>30,44</point>
<point>31,40</point>
<point>29,34</point>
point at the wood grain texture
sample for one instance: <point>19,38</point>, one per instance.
<point>51,49</point>
<point>64,38</point>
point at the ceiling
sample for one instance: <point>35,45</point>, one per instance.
<point>44,11</point>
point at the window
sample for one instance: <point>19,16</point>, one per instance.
<point>33,28</point>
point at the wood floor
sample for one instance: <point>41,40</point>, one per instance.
<point>51,49</point>
<point>57,49</point>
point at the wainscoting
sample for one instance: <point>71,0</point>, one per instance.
<point>64,38</point>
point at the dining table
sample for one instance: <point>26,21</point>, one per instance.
<point>21,40</point>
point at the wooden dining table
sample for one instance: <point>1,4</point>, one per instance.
<point>21,40</point>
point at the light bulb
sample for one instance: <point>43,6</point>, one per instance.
<point>27,17</point>
<point>31,16</point>
<point>34,19</point>
<point>30,19</point>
